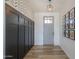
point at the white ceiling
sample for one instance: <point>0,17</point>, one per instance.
<point>41,5</point>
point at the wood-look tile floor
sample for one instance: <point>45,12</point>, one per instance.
<point>46,52</point>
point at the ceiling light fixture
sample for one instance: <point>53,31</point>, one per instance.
<point>50,7</point>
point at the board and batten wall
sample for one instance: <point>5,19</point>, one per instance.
<point>67,44</point>
<point>39,27</point>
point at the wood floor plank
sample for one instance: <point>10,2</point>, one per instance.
<point>46,52</point>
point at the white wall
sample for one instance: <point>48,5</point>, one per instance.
<point>67,45</point>
<point>39,27</point>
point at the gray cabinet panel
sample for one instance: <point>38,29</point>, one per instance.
<point>26,36</point>
<point>21,37</point>
<point>11,34</point>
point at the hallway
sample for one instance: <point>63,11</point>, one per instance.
<point>39,29</point>
<point>46,52</point>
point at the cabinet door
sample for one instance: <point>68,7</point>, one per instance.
<point>33,32</point>
<point>21,37</point>
<point>26,36</point>
<point>30,35</point>
<point>11,34</point>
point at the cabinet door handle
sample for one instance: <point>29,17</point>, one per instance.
<point>9,56</point>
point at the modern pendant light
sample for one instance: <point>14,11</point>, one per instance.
<point>50,7</point>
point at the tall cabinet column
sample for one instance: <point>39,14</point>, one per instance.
<point>19,34</point>
<point>21,41</point>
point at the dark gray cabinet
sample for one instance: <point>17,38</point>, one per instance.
<point>19,34</point>
<point>26,36</point>
<point>30,35</point>
<point>11,35</point>
<point>21,37</point>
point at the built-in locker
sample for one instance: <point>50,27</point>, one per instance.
<point>29,34</point>
<point>26,35</point>
<point>21,40</point>
<point>19,34</point>
<point>32,33</point>
<point>11,34</point>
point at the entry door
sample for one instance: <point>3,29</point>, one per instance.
<point>48,30</point>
